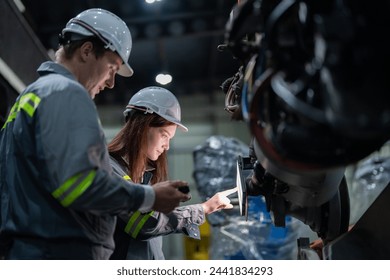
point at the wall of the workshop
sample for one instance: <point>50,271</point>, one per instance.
<point>20,54</point>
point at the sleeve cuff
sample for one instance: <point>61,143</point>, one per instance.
<point>149,198</point>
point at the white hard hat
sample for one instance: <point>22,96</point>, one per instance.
<point>157,100</point>
<point>109,28</point>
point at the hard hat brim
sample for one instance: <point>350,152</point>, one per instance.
<point>182,127</point>
<point>172,120</point>
<point>125,70</point>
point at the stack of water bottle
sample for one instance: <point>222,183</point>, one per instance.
<point>232,235</point>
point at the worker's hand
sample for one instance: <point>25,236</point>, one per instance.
<point>219,201</point>
<point>317,246</point>
<point>168,197</point>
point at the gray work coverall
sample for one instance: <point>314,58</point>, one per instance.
<point>138,236</point>
<point>59,197</point>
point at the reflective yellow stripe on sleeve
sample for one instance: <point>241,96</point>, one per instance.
<point>12,114</point>
<point>75,186</point>
<point>136,222</point>
<point>27,102</point>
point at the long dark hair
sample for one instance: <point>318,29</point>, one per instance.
<point>129,147</point>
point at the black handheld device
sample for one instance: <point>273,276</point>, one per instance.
<point>184,189</point>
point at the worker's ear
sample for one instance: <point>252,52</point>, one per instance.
<point>86,50</point>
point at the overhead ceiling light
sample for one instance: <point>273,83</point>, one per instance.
<point>152,1</point>
<point>163,79</point>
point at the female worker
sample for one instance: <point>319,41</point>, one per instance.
<point>139,154</point>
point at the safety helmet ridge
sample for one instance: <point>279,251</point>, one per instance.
<point>157,100</point>
<point>109,28</point>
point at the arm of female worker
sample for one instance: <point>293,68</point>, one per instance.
<point>184,219</point>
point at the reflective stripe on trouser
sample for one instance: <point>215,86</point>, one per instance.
<point>136,222</point>
<point>74,187</point>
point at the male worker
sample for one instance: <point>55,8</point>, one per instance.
<point>59,198</point>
